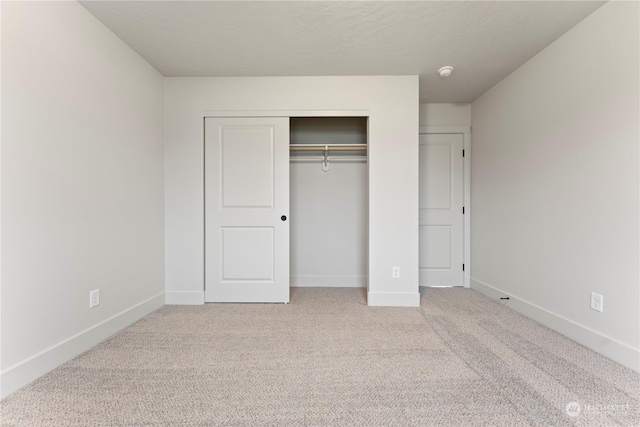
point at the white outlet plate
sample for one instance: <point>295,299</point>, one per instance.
<point>395,272</point>
<point>94,298</point>
<point>597,302</point>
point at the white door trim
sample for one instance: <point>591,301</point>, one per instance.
<point>285,113</point>
<point>466,133</point>
<point>201,298</point>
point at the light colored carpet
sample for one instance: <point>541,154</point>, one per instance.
<point>327,359</point>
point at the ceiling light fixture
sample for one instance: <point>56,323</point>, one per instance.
<point>445,71</point>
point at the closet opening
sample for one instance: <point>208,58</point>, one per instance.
<point>329,205</point>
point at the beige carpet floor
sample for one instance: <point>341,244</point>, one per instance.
<point>327,359</point>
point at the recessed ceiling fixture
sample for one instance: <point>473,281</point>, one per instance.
<point>445,71</point>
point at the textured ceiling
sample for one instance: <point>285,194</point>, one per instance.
<point>483,41</point>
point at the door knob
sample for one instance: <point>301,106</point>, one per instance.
<point>283,217</point>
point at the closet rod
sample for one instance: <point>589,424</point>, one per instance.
<point>329,158</point>
<point>309,147</point>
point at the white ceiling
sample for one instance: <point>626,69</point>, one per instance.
<point>483,41</point>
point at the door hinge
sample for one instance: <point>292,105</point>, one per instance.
<point>463,210</point>
<point>462,153</point>
<point>462,267</point>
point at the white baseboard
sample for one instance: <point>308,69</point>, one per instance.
<point>328,281</point>
<point>184,297</point>
<point>393,299</point>
<point>607,346</point>
<point>18,376</point>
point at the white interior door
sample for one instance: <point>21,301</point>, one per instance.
<point>441,210</point>
<point>247,209</point>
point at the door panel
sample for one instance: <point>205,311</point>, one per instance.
<point>435,246</point>
<point>247,254</point>
<point>246,163</point>
<point>435,176</point>
<point>246,194</point>
<point>441,219</point>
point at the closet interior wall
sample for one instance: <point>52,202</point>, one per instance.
<point>329,209</point>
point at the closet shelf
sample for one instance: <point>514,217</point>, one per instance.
<point>341,159</point>
<point>327,147</point>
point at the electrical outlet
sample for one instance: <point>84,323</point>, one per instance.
<point>94,298</point>
<point>597,302</point>
<point>395,272</point>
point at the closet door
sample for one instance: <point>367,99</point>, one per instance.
<point>247,209</point>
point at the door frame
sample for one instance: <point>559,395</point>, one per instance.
<point>466,137</point>
<point>286,114</point>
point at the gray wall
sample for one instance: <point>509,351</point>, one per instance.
<point>82,186</point>
<point>445,114</point>
<point>555,189</point>
<point>392,105</point>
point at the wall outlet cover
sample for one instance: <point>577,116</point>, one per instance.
<point>597,302</point>
<point>94,298</point>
